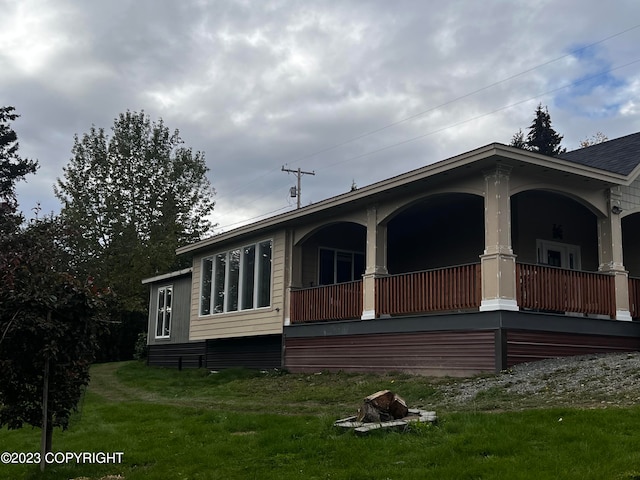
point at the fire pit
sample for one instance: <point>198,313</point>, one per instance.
<point>384,409</point>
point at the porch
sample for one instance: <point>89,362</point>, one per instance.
<point>539,288</point>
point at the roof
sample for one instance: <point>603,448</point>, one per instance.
<point>166,276</point>
<point>620,155</point>
<point>478,159</point>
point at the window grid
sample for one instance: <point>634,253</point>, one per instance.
<point>237,290</point>
<point>338,260</point>
<point>163,316</point>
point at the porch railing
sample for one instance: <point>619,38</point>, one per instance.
<point>341,301</point>
<point>554,289</point>
<point>634,297</point>
<point>442,289</point>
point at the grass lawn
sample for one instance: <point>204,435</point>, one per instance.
<point>246,425</point>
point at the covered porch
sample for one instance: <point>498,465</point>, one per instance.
<point>457,289</point>
<point>514,249</point>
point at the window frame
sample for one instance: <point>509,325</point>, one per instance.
<point>570,255</point>
<point>241,299</point>
<point>165,309</point>
<point>337,251</point>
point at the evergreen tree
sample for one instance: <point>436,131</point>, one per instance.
<point>542,138</point>
<point>13,168</point>
<point>518,140</point>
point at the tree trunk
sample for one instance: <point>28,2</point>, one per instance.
<point>45,439</point>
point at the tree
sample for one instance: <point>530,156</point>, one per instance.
<point>49,318</point>
<point>13,168</point>
<point>518,140</point>
<point>542,138</point>
<point>598,137</point>
<point>49,323</point>
<point>134,197</point>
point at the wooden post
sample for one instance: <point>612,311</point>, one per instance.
<point>45,414</point>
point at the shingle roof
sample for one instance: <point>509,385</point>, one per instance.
<point>620,155</point>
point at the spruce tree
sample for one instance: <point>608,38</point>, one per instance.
<point>13,168</point>
<point>542,138</point>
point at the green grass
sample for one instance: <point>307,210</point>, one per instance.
<point>247,425</point>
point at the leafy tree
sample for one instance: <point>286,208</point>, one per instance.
<point>49,322</point>
<point>598,137</point>
<point>134,197</point>
<point>542,138</point>
<point>13,168</point>
<point>49,318</point>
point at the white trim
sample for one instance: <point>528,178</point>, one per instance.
<point>480,156</point>
<point>368,315</point>
<point>166,276</point>
<point>566,251</point>
<point>226,254</point>
<point>167,309</point>
<point>499,304</point>
<point>623,315</point>
<point>287,321</point>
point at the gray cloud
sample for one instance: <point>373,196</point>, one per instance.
<point>260,84</point>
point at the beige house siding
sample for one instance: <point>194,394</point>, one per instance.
<point>259,321</point>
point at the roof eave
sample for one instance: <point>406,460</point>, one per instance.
<point>332,202</point>
<point>493,149</point>
<point>167,276</point>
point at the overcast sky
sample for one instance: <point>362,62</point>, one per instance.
<point>356,91</point>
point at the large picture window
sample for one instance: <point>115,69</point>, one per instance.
<point>339,266</point>
<point>163,316</point>
<point>239,279</point>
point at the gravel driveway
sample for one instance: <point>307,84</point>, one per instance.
<point>591,381</point>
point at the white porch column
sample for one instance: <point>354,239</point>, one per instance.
<point>498,262</point>
<point>610,253</point>
<point>376,262</point>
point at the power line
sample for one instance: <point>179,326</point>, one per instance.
<point>477,117</point>
<point>228,225</point>
<point>431,109</point>
<point>462,122</point>
<point>447,103</point>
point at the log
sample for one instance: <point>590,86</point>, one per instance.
<point>382,406</point>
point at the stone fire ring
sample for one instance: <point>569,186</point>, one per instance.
<point>362,428</point>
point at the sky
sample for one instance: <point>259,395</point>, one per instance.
<point>354,91</point>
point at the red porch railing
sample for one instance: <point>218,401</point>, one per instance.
<point>634,297</point>
<point>443,289</point>
<point>546,288</point>
<point>330,302</point>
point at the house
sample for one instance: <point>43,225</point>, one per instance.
<point>472,264</point>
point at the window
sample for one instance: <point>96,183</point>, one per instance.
<point>163,317</point>
<point>239,279</point>
<point>264,274</point>
<point>339,266</point>
<point>556,254</point>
